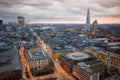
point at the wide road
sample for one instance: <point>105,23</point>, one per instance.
<point>25,65</point>
<point>49,76</point>
<point>61,73</point>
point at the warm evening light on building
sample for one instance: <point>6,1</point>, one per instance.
<point>59,39</point>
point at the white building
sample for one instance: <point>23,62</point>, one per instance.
<point>38,60</point>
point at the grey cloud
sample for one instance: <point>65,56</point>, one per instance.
<point>58,9</point>
<point>25,2</point>
<point>108,3</point>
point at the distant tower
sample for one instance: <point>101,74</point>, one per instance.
<point>88,27</point>
<point>95,23</point>
<point>1,23</point>
<point>88,17</point>
<point>21,21</point>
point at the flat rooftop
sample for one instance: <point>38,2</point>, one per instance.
<point>78,56</point>
<point>92,62</point>
<point>93,65</point>
<point>36,55</point>
<point>9,60</point>
<point>104,52</point>
<point>40,54</point>
<point>95,48</point>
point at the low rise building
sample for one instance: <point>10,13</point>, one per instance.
<point>1,23</point>
<point>39,60</point>
<point>10,67</point>
<point>67,61</point>
<point>89,70</point>
<point>108,57</point>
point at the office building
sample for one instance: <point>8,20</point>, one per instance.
<point>67,61</point>
<point>1,23</point>
<point>10,67</point>
<point>89,70</point>
<point>38,60</point>
<point>87,26</point>
<point>88,17</point>
<point>110,58</point>
<point>95,26</point>
<point>21,21</point>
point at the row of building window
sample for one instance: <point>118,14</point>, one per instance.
<point>114,61</point>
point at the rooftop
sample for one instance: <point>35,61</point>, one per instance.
<point>92,66</point>
<point>95,48</point>
<point>109,53</point>
<point>104,52</point>
<point>78,56</point>
<point>39,54</point>
<point>9,60</point>
<point>21,17</point>
<point>36,55</point>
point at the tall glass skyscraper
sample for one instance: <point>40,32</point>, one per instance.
<point>21,21</point>
<point>1,22</point>
<point>88,27</point>
<point>88,17</point>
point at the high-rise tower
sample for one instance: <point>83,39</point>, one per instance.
<point>88,17</point>
<point>88,26</point>
<point>1,23</point>
<point>21,21</point>
<point>95,23</point>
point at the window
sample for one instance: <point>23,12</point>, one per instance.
<point>39,67</point>
<point>39,62</point>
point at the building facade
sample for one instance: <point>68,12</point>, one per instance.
<point>67,61</point>
<point>95,23</point>
<point>39,61</point>
<point>1,23</point>
<point>89,70</point>
<point>21,21</point>
<point>105,56</point>
<point>88,26</point>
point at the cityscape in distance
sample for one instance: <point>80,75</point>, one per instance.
<point>59,40</point>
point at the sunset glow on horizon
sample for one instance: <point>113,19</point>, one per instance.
<point>100,20</point>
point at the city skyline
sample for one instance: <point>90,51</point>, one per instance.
<point>60,11</point>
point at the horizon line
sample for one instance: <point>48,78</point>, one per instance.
<point>66,23</point>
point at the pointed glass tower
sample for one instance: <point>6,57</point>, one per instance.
<point>88,27</point>
<point>88,17</point>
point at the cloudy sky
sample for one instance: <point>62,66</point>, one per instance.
<point>60,11</point>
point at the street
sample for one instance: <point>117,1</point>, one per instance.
<point>24,64</point>
<point>61,74</point>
